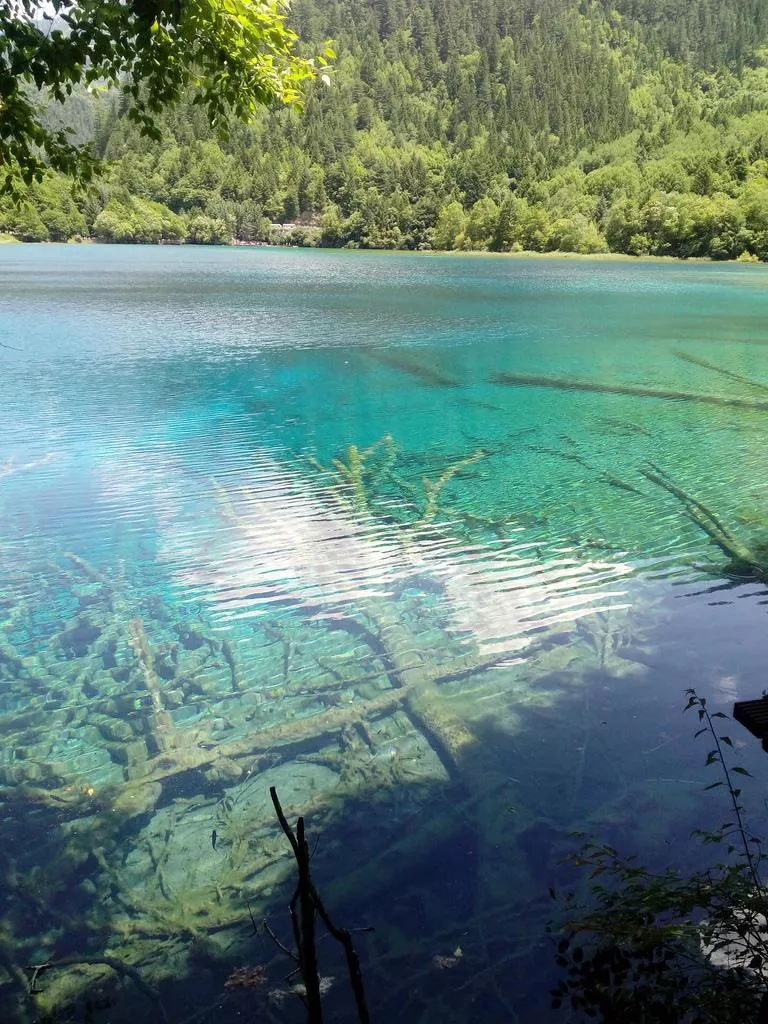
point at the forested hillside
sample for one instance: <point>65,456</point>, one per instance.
<point>639,126</point>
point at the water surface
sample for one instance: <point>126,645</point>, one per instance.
<point>375,529</point>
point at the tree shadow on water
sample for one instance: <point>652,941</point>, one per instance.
<point>451,871</point>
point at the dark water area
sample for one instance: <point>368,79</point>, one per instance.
<point>399,535</point>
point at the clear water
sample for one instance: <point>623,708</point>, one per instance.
<point>274,518</point>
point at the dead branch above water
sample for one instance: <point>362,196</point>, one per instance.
<point>310,905</point>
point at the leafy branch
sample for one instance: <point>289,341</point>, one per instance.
<point>234,55</point>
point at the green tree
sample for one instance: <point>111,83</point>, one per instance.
<point>623,226</point>
<point>53,199</point>
<point>503,237</point>
<point>236,54</point>
<point>333,233</point>
<point>481,224</point>
<point>23,221</point>
<point>576,234</point>
<point>204,230</point>
<point>138,220</point>
<point>756,222</point>
<point>450,227</point>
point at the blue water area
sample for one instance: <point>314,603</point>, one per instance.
<point>433,545</point>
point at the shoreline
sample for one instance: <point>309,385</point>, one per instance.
<point>524,254</point>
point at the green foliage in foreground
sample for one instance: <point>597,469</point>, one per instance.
<point>671,947</point>
<point>500,125</point>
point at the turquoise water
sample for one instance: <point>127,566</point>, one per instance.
<point>358,526</point>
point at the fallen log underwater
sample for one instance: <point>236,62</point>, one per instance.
<point>527,380</point>
<point>722,370</point>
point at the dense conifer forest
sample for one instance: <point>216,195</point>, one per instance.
<point>638,127</point>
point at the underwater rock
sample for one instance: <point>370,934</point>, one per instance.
<point>279,995</point>
<point>78,639</point>
<point>109,654</point>
<point>122,704</point>
<point>446,962</point>
<point>205,950</point>
<point>11,662</point>
<point>116,730</point>
<point>246,977</point>
<point>167,662</point>
<point>17,774</point>
<point>88,888</point>
<point>132,756</point>
<point>224,771</point>
<point>190,638</point>
<point>137,800</point>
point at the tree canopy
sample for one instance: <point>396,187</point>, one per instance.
<point>639,126</point>
<point>235,54</point>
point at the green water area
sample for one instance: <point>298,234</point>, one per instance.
<point>433,545</point>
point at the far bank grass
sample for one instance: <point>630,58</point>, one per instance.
<point>523,255</point>
<point>605,257</point>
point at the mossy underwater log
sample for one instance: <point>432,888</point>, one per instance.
<point>73,802</point>
<point>434,488</point>
<point>161,721</point>
<point>527,380</point>
<point>419,371</point>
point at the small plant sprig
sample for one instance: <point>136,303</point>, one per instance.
<point>750,845</point>
<point>672,946</point>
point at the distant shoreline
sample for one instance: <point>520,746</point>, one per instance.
<point>525,254</point>
<point>532,254</point>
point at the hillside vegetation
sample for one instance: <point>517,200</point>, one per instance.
<point>638,127</point>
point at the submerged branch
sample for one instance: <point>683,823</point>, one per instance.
<point>106,961</point>
<point>709,522</point>
<point>280,741</point>
<point>419,371</point>
<point>434,488</point>
<point>731,374</point>
<point>161,721</point>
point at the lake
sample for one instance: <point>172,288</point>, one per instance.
<point>417,540</point>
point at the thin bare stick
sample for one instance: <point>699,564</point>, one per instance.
<point>310,905</point>
<point>739,377</point>
<point>277,942</point>
<point>528,380</point>
<point>303,921</point>
<point>343,936</point>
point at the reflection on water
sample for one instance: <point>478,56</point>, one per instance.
<point>279,519</point>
